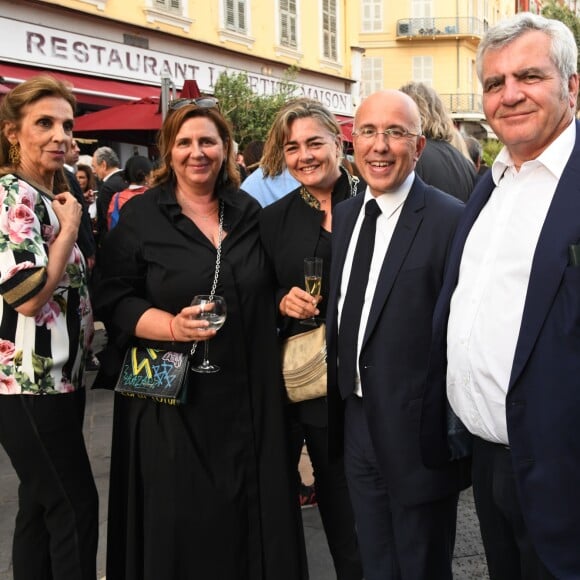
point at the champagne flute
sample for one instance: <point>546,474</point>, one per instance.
<point>313,283</point>
<point>213,309</point>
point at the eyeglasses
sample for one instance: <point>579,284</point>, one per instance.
<point>396,134</point>
<point>203,102</point>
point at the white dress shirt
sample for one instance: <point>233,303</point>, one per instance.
<point>390,205</point>
<point>488,302</point>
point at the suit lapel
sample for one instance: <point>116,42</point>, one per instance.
<point>343,221</point>
<point>403,236</point>
<point>341,235</point>
<point>560,230</point>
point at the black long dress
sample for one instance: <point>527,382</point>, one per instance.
<point>200,490</point>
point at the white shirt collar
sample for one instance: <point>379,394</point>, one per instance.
<point>391,201</point>
<point>554,158</point>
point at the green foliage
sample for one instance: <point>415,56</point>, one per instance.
<point>562,13</point>
<point>491,147</point>
<point>249,114</point>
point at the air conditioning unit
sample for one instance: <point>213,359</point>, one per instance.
<point>403,29</point>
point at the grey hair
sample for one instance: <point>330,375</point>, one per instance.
<point>107,155</point>
<point>563,49</point>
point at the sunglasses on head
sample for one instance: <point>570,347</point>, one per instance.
<point>203,102</point>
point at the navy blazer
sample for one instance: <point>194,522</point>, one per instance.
<point>394,356</point>
<point>543,398</point>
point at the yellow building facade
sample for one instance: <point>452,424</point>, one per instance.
<point>430,41</point>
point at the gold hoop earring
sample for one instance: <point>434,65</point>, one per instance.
<point>14,154</point>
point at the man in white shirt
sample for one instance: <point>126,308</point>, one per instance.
<point>508,318</point>
<point>388,257</point>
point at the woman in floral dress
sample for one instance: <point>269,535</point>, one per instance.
<point>45,329</point>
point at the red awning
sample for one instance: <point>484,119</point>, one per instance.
<point>136,122</point>
<point>87,90</point>
<point>346,125</point>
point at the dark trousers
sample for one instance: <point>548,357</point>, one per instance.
<point>332,497</point>
<point>56,530</point>
<point>396,541</point>
<point>508,549</point>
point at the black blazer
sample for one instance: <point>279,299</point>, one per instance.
<point>107,190</point>
<point>444,167</point>
<point>543,398</point>
<point>290,232</point>
<point>395,351</point>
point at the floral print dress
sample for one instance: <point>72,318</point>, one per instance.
<point>44,354</point>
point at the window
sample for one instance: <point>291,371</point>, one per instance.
<point>372,15</point>
<point>329,41</point>
<point>171,12</point>
<point>423,69</point>
<point>235,15</point>
<point>288,23</point>
<point>422,12</point>
<point>371,75</point>
<point>170,5</point>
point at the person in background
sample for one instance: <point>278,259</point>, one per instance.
<point>476,154</point>
<point>72,157</point>
<point>136,173</point>
<point>107,169</point>
<point>266,186</point>
<point>382,291</point>
<point>46,327</point>
<point>441,164</point>
<point>198,490</point>
<point>299,225</point>
<point>506,342</point>
<point>86,179</point>
<point>86,239</point>
<point>253,152</point>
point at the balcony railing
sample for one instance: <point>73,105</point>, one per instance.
<point>446,26</point>
<point>462,102</point>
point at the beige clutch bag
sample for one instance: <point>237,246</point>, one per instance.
<point>304,365</point>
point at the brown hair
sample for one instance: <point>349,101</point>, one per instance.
<point>252,155</point>
<point>11,112</point>
<point>88,171</point>
<point>168,134</point>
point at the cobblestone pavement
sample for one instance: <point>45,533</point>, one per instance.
<point>468,564</point>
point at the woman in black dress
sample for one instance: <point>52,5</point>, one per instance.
<point>198,490</point>
<point>305,138</point>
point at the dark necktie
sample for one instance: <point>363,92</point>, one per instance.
<point>354,299</point>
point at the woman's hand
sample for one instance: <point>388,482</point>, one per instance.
<point>68,211</point>
<point>185,327</point>
<point>299,304</point>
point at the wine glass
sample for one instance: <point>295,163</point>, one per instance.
<point>213,309</point>
<point>313,283</point>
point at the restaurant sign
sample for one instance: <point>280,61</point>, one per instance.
<point>48,48</point>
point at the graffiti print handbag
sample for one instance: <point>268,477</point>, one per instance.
<point>157,374</point>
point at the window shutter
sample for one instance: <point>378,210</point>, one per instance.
<point>230,15</point>
<point>242,15</point>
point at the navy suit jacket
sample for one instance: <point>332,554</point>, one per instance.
<point>543,398</point>
<point>395,351</point>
